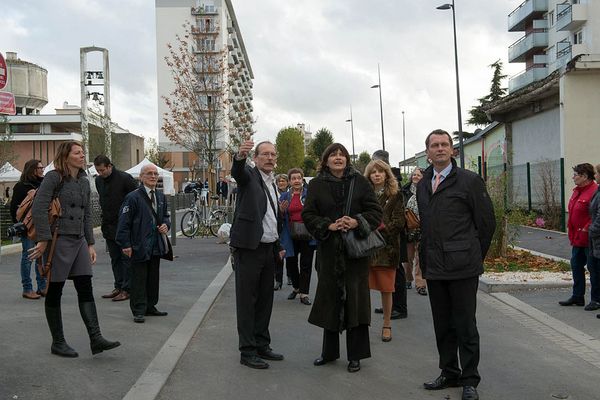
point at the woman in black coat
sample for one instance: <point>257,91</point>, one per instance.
<point>342,300</point>
<point>31,178</point>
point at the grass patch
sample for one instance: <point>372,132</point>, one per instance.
<point>523,261</point>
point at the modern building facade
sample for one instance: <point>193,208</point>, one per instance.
<point>215,37</point>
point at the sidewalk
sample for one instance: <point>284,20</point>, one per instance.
<point>516,362</point>
<point>543,241</point>
<point>29,371</point>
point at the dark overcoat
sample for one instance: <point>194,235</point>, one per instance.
<point>393,224</point>
<point>112,191</point>
<point>342,299</point>
<point>457,225</point>
<point>594,229</point>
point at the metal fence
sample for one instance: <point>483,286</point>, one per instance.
<point>535,187</point>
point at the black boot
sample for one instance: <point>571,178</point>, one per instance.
<point>90,318</point>
<point>59,345</point>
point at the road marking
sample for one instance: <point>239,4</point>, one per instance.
<point>572,340</point>
<point>152,380</point>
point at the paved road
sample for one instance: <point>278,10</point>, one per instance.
<point>29,371</point>
<point>543,241</point>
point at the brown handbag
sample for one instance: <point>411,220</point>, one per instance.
<point>412,219</point>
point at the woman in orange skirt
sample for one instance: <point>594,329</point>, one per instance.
<point>383,264</point>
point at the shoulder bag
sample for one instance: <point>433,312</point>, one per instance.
<point>357,247</point>
<point>412,219</point>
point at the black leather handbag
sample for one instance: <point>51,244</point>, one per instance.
<point>298,231</point>
<point>357,247</point>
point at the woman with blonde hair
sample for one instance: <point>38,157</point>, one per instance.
<point>74,251</point>
<point>412,267</point>
<point>383,264</point>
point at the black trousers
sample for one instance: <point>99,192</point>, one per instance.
<point>144,285</point>
<point>254,296</point>
<point>453,305</point>
<point>399,296</point>
<point>301,279</point>
<point>357,344</point>
<point>120,265</point>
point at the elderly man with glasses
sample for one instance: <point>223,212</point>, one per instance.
<point>255,249</point>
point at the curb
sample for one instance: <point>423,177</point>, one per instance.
<point>152,380</point>
<point>489,286</point>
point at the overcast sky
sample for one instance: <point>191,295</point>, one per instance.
<point>311,59</point>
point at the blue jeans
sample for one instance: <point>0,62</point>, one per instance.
<point>26,268</point>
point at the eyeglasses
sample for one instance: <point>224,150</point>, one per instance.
<point>273,155</point>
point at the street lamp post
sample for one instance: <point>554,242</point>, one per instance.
<point>380,106</point>
<point>351,120</point>
<point>448,6</point>
<point>403,143</point>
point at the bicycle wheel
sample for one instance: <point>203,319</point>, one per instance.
<point>216,219</point>
<point>190,224</point>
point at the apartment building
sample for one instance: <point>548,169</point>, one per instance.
<point>215,37</point>
<point>551,110</point>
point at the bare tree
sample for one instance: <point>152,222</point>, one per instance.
<point>6,142</point>
<point>197,107</point>
<point>547,191</point>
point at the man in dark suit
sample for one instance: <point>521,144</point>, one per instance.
<point>457,225</point>
<point>222,189</point>
<point>254,239</point>
<point>113,185</point>
<point>141,234</point>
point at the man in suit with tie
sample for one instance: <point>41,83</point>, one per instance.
<point>254,240</point>
<point>457,225</point>
<point>143,223</point>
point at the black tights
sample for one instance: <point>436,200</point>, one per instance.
<point>83,286</point>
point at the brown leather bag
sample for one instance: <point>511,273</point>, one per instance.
<point>412,219</point>
<point>24,212</point>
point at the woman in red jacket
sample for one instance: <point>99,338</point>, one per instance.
<point>578,225</point>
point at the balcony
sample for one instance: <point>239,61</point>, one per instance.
<point>527,45</point>
<point>527,77</point>
<point>205,10</point>
<point>569,17</point>
<point>526,12</point>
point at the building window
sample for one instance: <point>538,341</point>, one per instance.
<point>551,19</point>
<point>26,128</point>
<point>578,37</point>
<point>137,156</point>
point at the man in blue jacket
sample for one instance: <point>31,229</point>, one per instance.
<point>143,225</point>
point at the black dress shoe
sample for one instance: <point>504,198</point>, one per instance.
<point>592,306</point>
<point>277,285</point>
<point>155,313</point>
<point>268,354</point>
<point>253,361</point>
<point>293,295</point>
<point>379,310</point>
<point>305,300</point>
<point>289,281</point>
<point>398,315</point>
<point>320,361</point>
<point>354,366</point>
<point>441,382</point>
<point>470,393</point>
<point>572,301</point>
<point>597,315</point>
<point>139,319</point>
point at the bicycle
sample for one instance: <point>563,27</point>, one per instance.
<point>197,217</point>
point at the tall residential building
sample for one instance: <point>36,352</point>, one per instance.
<point>551,111</point>
<point>555,32</point>
<point>215,34</point>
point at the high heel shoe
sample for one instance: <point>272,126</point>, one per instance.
<point>385,338</point>
<point>277,285</point>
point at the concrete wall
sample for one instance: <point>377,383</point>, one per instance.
<point>537,138</point>
<point>580,99</point>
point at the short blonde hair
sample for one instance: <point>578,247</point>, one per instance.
<point>390,185</point>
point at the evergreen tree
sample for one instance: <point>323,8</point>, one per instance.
<point>477,114</point>
<point>363,160</point>
<point>322,139</point>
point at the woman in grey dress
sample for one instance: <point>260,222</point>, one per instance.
<point>74,252</point>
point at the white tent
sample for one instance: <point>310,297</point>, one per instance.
<point>91,170</point>
<point>8,173</point>
<point>167,176</point>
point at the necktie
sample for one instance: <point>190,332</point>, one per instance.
<point>436,183</point>
<point>153,200</point>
